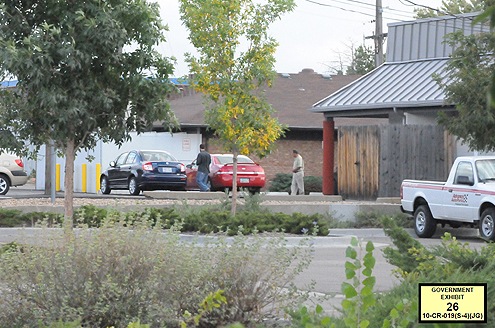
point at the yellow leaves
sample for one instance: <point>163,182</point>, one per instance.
<point>229,76</point>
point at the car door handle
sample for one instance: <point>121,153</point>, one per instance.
<point>451,190</point>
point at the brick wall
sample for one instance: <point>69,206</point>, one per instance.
<point>280,160</point>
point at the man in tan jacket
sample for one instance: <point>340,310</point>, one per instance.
<point>297,187</point>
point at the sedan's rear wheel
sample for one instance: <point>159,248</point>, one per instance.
<point>4,184</point>
<point>487,224</point>
<point>254,190</point>
<point>133,186</point>
<point>105,186</point>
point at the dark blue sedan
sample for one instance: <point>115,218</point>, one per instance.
<point>138,170</point>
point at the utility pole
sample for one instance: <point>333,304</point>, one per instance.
<point>379,36</point>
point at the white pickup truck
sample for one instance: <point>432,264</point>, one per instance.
<point>467,198</point>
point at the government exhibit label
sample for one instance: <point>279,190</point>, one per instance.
<point>452,303</point>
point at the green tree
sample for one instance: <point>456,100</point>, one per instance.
<point>363,61</point>
<point>451,7</point>
<point>86,70</point>
<point>489,14</point>
<point>234,63</point>
<point>469,71</point>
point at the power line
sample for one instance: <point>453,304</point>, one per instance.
<point>327,5</point>
<point>434,9</point>
<point>352,10</point>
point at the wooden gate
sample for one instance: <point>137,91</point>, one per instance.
<point>358,162</point>
<point>372,161</point>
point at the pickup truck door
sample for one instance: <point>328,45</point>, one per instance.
<point>459,196</point>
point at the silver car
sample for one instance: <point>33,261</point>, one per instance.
<point>12,172</point>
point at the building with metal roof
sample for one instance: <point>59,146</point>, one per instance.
<point>403,88</point>
<point>372,161</point>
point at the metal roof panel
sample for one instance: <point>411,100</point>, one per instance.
<point>398,84</point>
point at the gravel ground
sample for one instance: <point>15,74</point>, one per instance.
<point>114,202</point>
<point>128,201</point>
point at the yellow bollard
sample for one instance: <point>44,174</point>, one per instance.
<point>84,177</point>
<point>57,177</point>
<point>98,173</point>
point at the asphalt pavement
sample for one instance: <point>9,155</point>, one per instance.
<point>326,270</point>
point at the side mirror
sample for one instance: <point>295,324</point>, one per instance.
<point>113,164</point>
<point>189,166</point>
<point>464,180</point>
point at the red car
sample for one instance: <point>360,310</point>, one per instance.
<point>250,175</point>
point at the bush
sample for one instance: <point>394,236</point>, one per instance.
<point>119,274</point>
<point>203,219</point>
<point>15,218</point>
<point>312,184</point>
<point>282,182</point>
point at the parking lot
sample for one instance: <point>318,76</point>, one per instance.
<point>327,266</point>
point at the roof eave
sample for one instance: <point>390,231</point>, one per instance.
<point>388,106</point>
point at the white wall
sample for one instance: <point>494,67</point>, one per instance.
<point>183,146</point>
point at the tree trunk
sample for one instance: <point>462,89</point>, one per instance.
<point>70,156</point>
<point>233,208</point>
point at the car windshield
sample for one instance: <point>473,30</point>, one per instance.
<point>486,169</point>
<point>228,159</point>
<point>157,156</point>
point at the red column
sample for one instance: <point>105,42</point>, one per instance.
<point>328,156</point>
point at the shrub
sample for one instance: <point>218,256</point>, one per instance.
<point>12,218</point>
<point>15,218</point>
<point>203,219</point>
<point>312,184</point>
<point>375,220</point>
<point>119,274</point>
<point>282,182</point>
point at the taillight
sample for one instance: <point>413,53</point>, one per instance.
<point>147,166</point>
<point>19,162</point>
<point>182,168</point>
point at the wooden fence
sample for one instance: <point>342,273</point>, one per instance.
<point>372,161</point>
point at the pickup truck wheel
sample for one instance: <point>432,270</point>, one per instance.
<point>487,224</point>
<point>424,223</point>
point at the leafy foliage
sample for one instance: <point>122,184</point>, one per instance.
<point>234,63</point>
<point>451,7</point>
<point>201,219</point>
<point>363,61</point>
<point>401,255</point>
<point>123,273</point>
<point>282,182</point>
<point>359,296</point>
<point>86,71</point>
<point>470,70</point>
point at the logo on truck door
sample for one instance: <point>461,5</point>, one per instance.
<point>460,199</point>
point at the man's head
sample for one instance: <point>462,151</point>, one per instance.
<point>295,153</point>
<point>202,147</point>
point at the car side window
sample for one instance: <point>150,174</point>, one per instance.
<point>131,159</point>
<point>121,159</point>
<point>464,173</point>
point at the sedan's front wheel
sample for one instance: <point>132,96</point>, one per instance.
<point>105,186</point>
<point>4,184</point>
<point>133,186</point>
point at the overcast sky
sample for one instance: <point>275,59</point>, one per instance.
<point>318,34</point>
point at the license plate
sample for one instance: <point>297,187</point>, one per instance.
<point>166,169</point>
<point>244,180</point>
